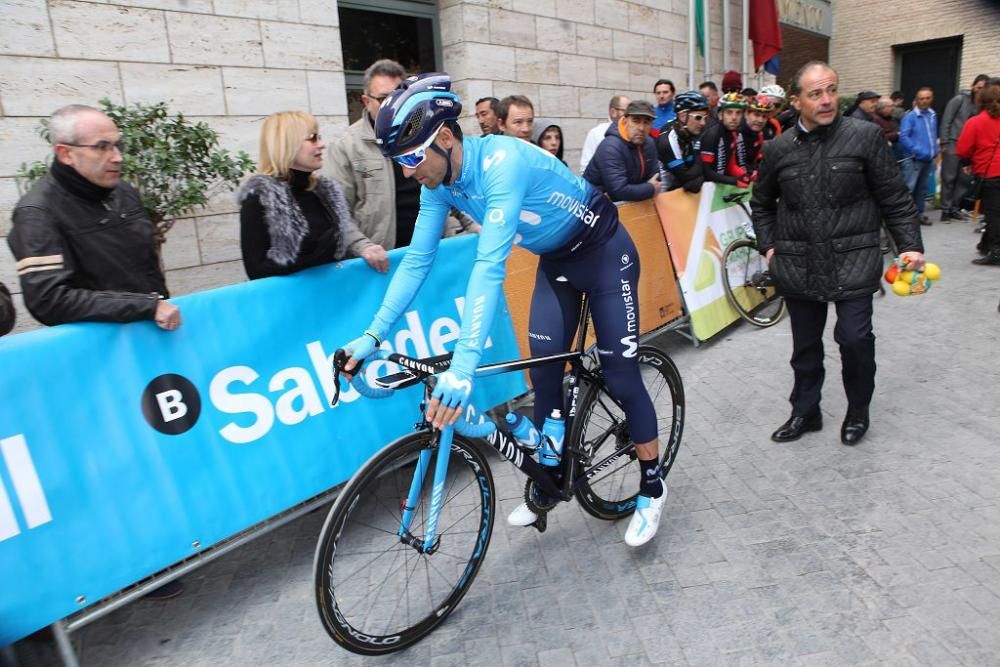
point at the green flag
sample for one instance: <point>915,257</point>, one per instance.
<point>699,25</point>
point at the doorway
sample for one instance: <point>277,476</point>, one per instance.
<point>935,64</point>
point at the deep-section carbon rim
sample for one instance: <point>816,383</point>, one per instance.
<point>742,267</point>
<point>377,595</point>
<point>600,429</point>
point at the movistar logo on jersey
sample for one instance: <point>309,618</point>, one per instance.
<point>575,207</point>
<point>493,159</point>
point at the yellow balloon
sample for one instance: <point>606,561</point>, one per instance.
<point>932,271</point>
<point>901,287</point>
<point>905,276</point>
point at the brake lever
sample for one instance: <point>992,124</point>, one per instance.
<point>340,358</point>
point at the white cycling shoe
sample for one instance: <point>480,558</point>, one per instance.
<point>521,516</point>
<point>644,523</point>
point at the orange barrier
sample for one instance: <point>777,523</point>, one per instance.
<point>659,299</point>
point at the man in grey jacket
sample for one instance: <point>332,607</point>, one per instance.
<point>960,108</point>
<point>383,202</point>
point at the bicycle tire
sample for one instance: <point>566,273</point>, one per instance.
<point>601,428</point>
<point>360,590</point>
<point>761,306</point>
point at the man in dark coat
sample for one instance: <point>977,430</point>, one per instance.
<point>7,315</point>
<point>822,190</point>
<point>625,164</point>
<point>82,240</point>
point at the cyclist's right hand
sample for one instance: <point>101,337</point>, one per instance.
<point>357,351</point>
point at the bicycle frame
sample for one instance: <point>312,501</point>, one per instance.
<point>505,444</point>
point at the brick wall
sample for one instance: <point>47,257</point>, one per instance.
<point>800,46</point>
<point>864,33</point>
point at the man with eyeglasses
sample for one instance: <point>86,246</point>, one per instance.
<point>81,237</point>
<point>383,202</point>
<point>616,109</point>
<point>679,146</point>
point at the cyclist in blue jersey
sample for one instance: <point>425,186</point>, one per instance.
<point>520,194</point>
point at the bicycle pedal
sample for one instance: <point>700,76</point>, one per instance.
<point>541,523</point>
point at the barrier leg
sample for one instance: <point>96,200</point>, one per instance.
<point>64,644</point>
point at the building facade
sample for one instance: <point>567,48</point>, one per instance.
<point>887,46</point>
<point>233,62</point>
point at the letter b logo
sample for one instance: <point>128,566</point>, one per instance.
<point>171,404</point>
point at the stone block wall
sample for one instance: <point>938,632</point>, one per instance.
<point>232,62</point>
<point>571,56</point>
<point>227,62</point>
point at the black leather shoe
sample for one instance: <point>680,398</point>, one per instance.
<point>796,426</point>
<point>991,259</point>
<point>853,429</point>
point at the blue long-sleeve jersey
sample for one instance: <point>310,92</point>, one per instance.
<point>520,194</point>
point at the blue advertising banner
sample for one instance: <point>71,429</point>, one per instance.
<point>125,448</point>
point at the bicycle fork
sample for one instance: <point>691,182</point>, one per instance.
<point>431,540</point>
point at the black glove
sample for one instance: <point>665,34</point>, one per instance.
<point>694,185</point>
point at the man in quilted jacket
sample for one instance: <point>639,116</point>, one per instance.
<point>823,188</point>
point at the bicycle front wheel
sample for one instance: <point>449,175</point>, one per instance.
<point>377,592</point>
<point>748,286</point>
<point>600,429</point>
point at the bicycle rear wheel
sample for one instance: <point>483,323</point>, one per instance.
<point>600,429</point>
<point>377,594</point>
<point>747,284</point>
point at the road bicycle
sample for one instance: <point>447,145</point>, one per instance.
<point>746,281</point>
<point>409,532</point>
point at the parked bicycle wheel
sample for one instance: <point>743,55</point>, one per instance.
<point>748,286</point>
<point>377,594</point>
<point>600,429</point>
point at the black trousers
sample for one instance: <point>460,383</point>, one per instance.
<point>853,333</point>
<point>990,208</point>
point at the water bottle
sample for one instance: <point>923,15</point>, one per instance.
<point>524,431</point>
<point>553,434</point>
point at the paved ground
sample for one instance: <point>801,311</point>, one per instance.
<point>808,553</point>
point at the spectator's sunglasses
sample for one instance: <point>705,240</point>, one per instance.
<point>415,158</point>
<point>699,116</point>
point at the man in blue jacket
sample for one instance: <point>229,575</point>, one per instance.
<point>625,166</point>
<point>918,135</point>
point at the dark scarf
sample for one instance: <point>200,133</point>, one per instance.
<point>71,180</point>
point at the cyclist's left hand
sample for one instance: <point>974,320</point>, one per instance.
<point>449,398</point>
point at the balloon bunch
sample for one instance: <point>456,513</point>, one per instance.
<point>906,282</point>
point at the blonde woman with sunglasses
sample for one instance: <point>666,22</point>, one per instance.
<point>292,218</point>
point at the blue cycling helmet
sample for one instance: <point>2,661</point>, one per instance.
<point>415,111</point>
<point>690,100</point>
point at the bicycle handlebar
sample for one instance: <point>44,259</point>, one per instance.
<point>419,367</point>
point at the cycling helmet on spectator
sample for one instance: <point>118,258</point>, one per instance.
<point>774,91</point>
<point>413,113</point>
<point>690,101</point>
<point>732,101</point>
<point>760,103</point>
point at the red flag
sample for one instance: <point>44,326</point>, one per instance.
<point>765,32</point>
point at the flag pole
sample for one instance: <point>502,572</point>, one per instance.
<point>745,32</point>
<point>692,47</point>
<point>706,38</point>
<point>724,66</point>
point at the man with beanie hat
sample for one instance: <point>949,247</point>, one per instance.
<point>865,105</point>
<point>732,82</point>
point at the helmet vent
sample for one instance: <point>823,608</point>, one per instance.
<point>412,125</point>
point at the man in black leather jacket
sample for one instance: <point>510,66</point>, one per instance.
<point>822,190</point>
<point>7,315</point>
<point>82,240</point>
